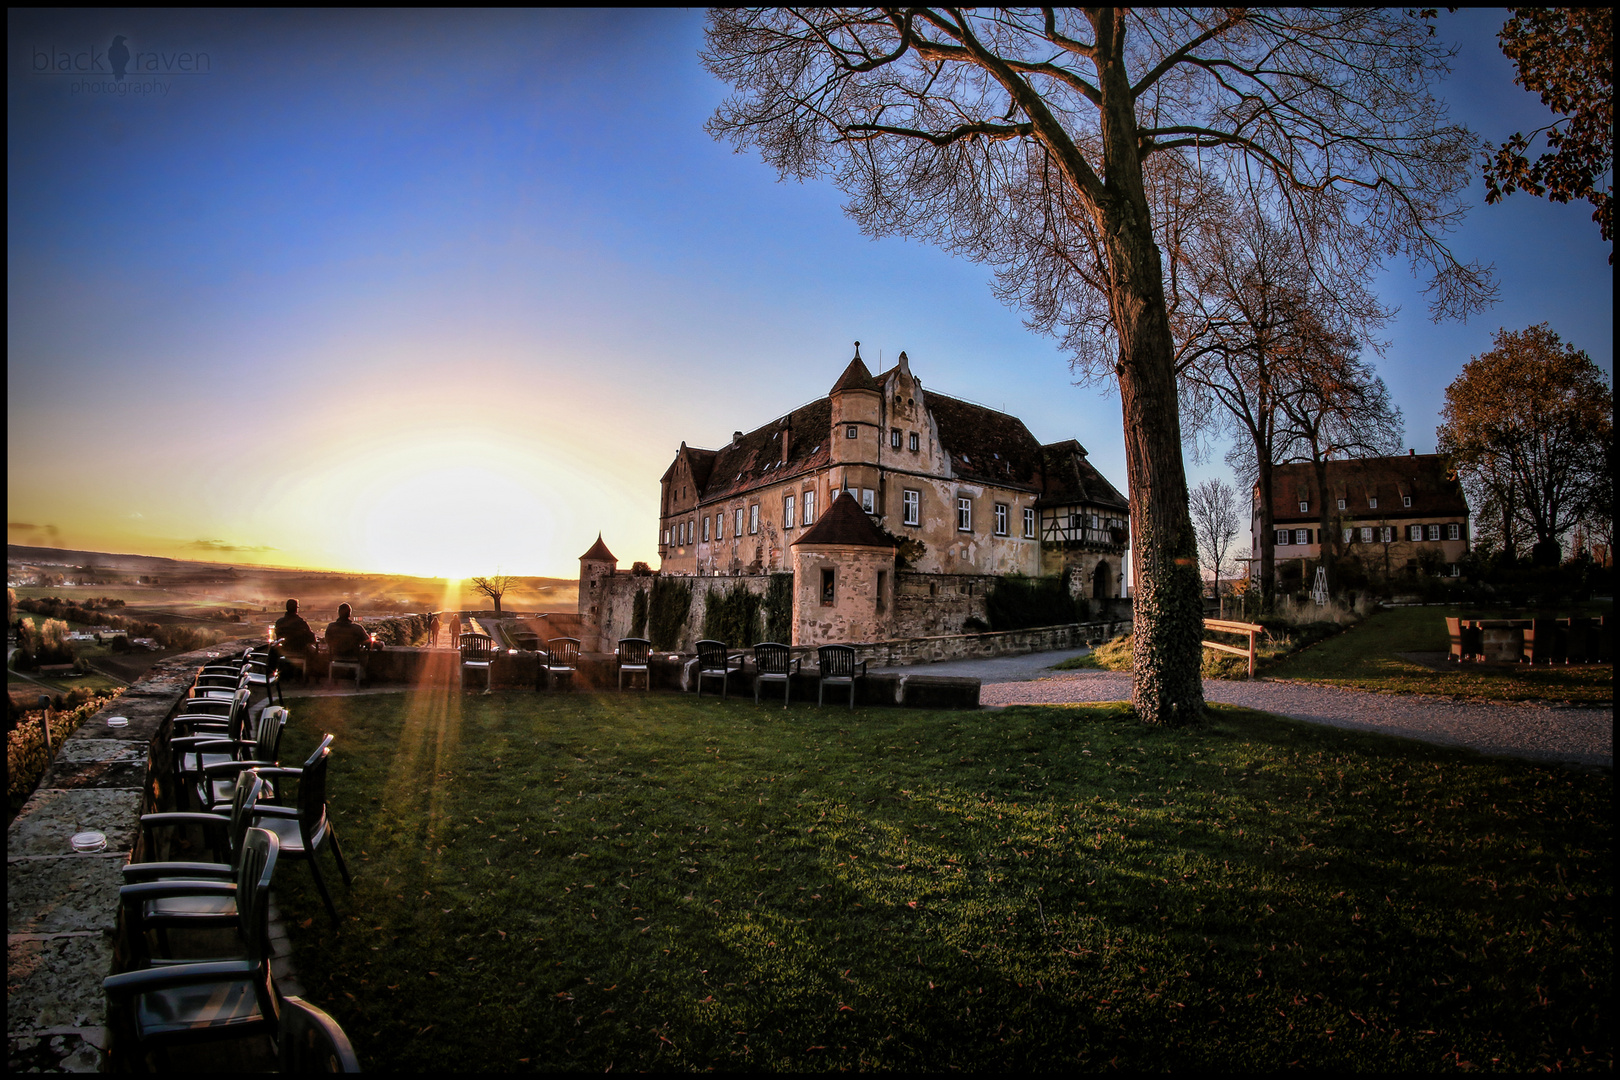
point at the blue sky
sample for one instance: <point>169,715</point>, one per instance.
<point>442,292</point>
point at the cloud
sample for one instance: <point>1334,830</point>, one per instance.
<point>220,545</point>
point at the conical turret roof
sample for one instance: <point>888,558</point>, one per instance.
<point>599,553</point>
<point>856,377</point>
<point>846,525</point>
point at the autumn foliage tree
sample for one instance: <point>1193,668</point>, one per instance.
<point>1566,55</point>
<point>1033,139</point>
<point>1529,426</point>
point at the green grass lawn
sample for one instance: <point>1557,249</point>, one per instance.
<point>1365,656</point>
<point>657,882</point>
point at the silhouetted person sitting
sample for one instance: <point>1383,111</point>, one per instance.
<point>345,638</point>
<point>297,640</point>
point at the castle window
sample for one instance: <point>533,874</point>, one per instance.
<point>719,527</point>
<point>1434,532</point>
<point>1453,532</point>
<point>867,497</point>
<point>1341,504</point>
<point>736,529</point>
<point>1001,519</point>
<point>1302,536</point>
<point>1386,534</point>
<point>1304,506</point>
<point>964,515</point>
<point>894,438</point>
<point>1372,502</point>
<point>809,507</point>
<point>1029,522</point>
<point>1366,536</point>
<point>753,519</point>
<point>849,432</point>
<point>1414,532</point>
<point>1282,537</point>
<point>883,580</point>
<point>705,528</point>
<point>1406,500</point>
<point>787,511</point>
<point>827,594</point>
<point>912,504</point>
<point>913,442</point>
<point>1348,533</point>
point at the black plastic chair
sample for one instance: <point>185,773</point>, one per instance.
<point>305,829</point>
<point>263,671</point>
<point>562,658</point>
<point>174,1004</point>
<point>838,668</point>
<point>205,911</point>
<point>196,734</point>
<point>158,899</point>
<point>262,747</point>
<point>312,1042</point>
<point>773,663</point>
<point>715,662</point>
<point>635,657</point>
<point>477,653</point>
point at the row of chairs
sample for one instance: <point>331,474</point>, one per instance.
<point>774,663</point>
<point>558,661</point>
<point>227,767</point>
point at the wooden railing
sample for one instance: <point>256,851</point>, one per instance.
<point>1229,627</point>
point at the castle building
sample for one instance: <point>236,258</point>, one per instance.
<point>1394,515</point>
<point>959,488</point>
<point>895,509</point>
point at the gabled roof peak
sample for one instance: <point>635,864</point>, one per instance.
<point>846,525</point>
<point>599,553</point>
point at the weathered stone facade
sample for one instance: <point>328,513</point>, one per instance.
<point>959,492</point>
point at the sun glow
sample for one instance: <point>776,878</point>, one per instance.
<point>465,505</point>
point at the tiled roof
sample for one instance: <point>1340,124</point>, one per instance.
<point>846,525</point>
<point>1070,479</point>
<point>1426,478</point>
<point>986,445</point>
<point>756,458</point>
<point>599,552</point>
<point>856,377</point>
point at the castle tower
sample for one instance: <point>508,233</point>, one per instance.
<point>857,422</point>
<point>595,567</point>
<point>843,578</point>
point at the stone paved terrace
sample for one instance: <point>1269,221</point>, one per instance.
<point>62,906</point>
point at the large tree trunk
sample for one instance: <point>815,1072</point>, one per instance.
<point>1268,529</point>
<point>1168,607</point>
<point>1327,533</point>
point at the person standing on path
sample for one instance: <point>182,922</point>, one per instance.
<point>455,630</point>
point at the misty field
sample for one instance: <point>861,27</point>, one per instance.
<point>632,881</point>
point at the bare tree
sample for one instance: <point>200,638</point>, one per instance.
<point>1215,518</point>
<point>494,587</point>
<point>1336,407</point>
<point>1031,140</point>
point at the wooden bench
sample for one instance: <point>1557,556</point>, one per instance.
<point>1228,627</point>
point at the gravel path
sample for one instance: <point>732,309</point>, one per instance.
<point>1558,734</point>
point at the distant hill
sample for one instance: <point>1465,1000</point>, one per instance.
<point>135,564</point>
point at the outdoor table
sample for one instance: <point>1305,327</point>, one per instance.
<point>1503,639</point>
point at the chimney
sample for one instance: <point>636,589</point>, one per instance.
<point>1411,453</point>
<point>736,438</point>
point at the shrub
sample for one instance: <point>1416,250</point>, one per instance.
<point>638,614</point>
<point>778,607</point>
<point>667,608</point>
<point>1015,602</point>
<point>25,750</point>
<point>732,616</point>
